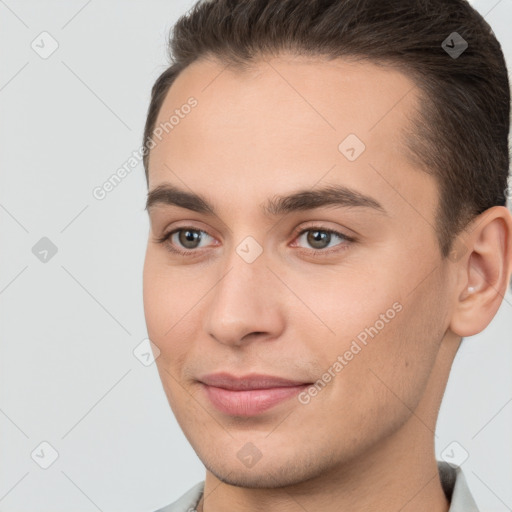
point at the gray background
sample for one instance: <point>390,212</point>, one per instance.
<point>68,375</point>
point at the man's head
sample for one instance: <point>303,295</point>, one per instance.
<point>306,211</point>
<point>459,133</point>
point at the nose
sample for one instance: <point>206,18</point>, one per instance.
<point>244,304</point>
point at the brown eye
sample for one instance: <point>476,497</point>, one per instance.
<point>318,239</point>
<point>189,238</point>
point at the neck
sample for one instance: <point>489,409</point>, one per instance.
<point>400,473</point>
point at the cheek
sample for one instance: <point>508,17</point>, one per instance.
<point>399,359</point>
<point>151,287</point>
<point>385,339</point>
<point>171,314</point>
<point>343,304</point>
<point>165,298</point>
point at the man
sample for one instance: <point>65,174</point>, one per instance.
<point>327,208</point>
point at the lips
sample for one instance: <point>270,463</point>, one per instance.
<point>250,394</point>
<point>252,381</point>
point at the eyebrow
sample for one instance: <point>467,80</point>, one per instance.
<point>331,195</point>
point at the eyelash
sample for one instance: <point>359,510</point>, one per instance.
<point>315,252</point>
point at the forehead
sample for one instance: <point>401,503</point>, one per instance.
<point>289,120</point>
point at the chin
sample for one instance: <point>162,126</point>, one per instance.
<point>257,479</point>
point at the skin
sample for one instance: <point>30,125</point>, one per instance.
<point>366,441</point>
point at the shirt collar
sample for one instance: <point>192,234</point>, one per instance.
<point>456,488</point>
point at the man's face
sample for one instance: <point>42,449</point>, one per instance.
<point>270,288</point>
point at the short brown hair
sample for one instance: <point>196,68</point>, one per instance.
<point>461,133</point>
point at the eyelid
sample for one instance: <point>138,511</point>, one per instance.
<point>184,225</point>
<point>168,234</point>
<point>349,234</point>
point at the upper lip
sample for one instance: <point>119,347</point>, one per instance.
<point>245,382</point>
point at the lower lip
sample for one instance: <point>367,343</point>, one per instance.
<point>250,402</point>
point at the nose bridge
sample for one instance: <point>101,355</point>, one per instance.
<point>243,300</point>
<point>245,268</point>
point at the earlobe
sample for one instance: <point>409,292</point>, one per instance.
<point>484,272</point>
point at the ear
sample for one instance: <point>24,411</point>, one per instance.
<point>484,268</point>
